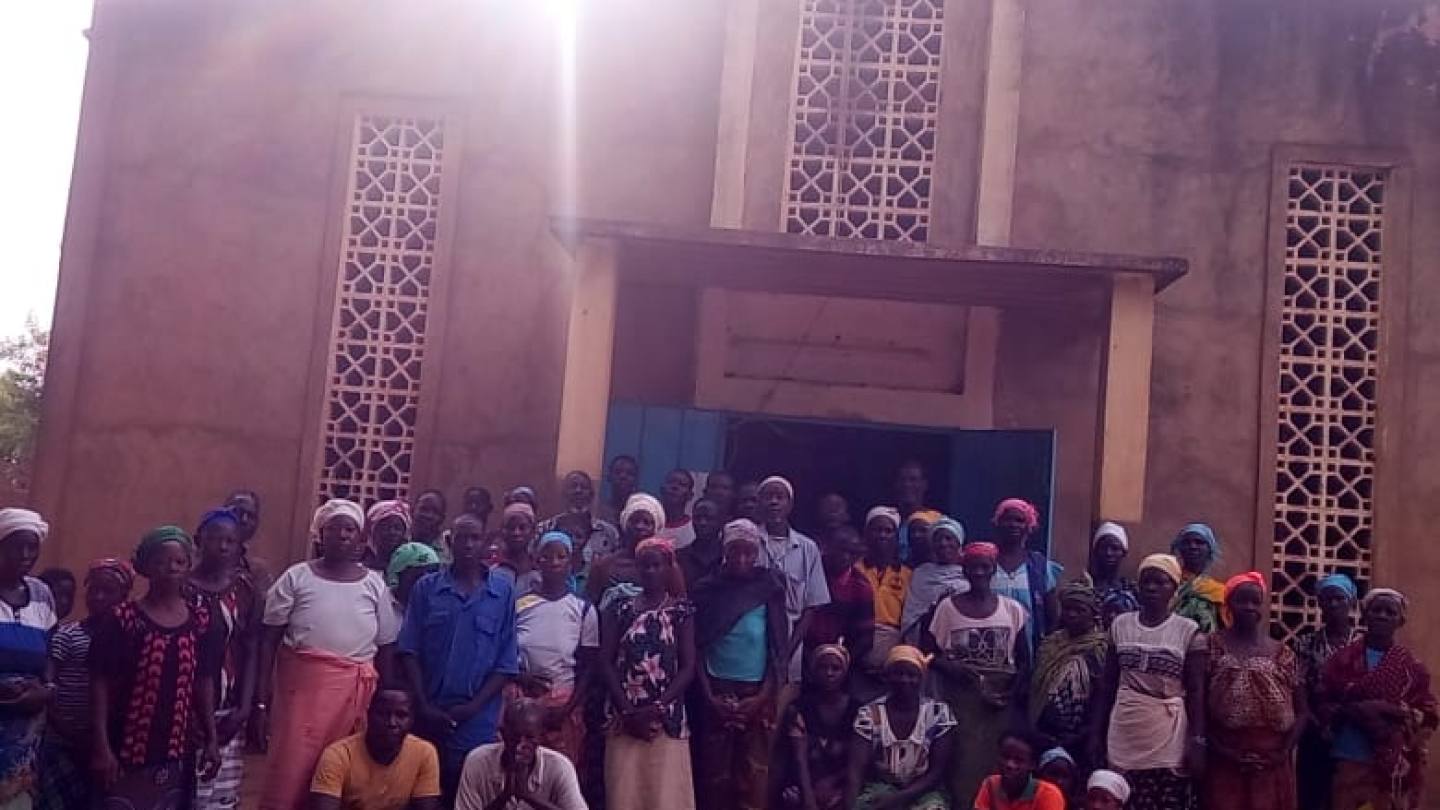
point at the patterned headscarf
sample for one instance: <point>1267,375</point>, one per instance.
<point>112,568</point>
<point>1078,590</point>
<point>388,509</point>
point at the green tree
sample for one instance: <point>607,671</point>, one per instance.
<point>22,377</point>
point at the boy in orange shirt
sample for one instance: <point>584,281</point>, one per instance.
<point>1015,786</point>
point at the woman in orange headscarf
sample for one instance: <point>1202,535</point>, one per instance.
<point>1254,700</point>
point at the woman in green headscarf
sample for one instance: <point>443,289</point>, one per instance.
<point>1068,668</point>
<point>153,666</point>
<point>408,563</point>
<point>1201,596</point>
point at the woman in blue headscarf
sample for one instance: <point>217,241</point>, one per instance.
<point>1201,596</point>
<point>1336,595</point>
<point>558,635</point>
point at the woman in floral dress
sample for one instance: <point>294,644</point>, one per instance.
<point>648,647</point>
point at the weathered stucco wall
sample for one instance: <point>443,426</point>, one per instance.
<point>1048,376</point>
<point>190,331</point>
<point>1152,131</point>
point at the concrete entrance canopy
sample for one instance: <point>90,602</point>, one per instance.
<point>1110,296</point>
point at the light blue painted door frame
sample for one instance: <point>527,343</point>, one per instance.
<point>664,438</point>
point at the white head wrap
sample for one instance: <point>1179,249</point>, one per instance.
<point>641,502</point>
<point>775,479</point>
<point>743,529</point>
<point>333,508</point>
<point>890,513</point>
<point>1111,529</point>
<point>22,520</point>
<point>1110,782</point>
<point>1376,593</point>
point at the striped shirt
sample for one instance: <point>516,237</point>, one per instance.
<point>70,653</point>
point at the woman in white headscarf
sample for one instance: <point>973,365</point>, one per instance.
<point>27,611</point>
<point>1115,593</point>
<point>327,625</point>
<point>617,575</point>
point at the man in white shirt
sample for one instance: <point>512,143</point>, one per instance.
<point>518,773</point>
<point>675,496</point>
<point>797,558</point>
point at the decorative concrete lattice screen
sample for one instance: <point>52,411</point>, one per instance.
<point>867,99</point>
<point>1329,362</point>
<point>387,255</point>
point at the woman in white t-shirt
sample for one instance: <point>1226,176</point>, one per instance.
<point>559,636</point>
<point>328,624</point>
<point>1154,693</point>
<point>982,662</point>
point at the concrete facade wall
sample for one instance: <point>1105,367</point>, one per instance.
<point>1153,131</point>
<point>194,294</point>
<point>194,283</point>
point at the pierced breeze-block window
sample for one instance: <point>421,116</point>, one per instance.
<point>378,338</point>
<point>867,101</point>
<point>1329,364</point>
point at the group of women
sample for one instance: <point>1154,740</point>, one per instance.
<point>667,678</point>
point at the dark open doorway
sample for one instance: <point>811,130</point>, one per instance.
<point>970,471</point>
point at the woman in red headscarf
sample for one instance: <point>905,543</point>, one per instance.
<point>1254,703</point>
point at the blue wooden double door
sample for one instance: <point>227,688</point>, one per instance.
<point>969,471</point>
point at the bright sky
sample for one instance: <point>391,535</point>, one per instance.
<point>42,71</point>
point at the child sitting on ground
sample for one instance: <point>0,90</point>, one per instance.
<point>1058,768</point>
<point>1015,786</point>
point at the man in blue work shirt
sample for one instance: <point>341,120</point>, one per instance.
<point>458,647</point>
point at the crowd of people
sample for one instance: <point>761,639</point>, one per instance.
<point>674,651</point>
